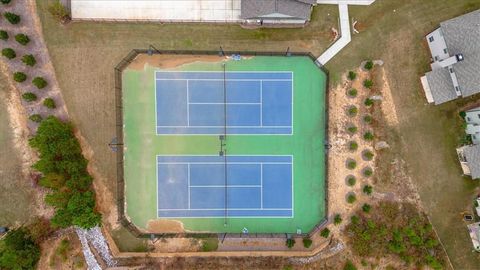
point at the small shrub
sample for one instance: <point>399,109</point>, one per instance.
<point>63,249</point>
<point>58,10</point>
<point>29,96</point>
<point>9,53</point>
<point>368,102</point>
<point>367,119</point>
<point>11,17</point>
<point>351,180</point>
<point>368,65</point>
<point>22,39</point>
<point>39,82</point>
<point>29,60</point>
<point>209,244</point>
<point>367,189</point>
<point>352,75</point>
<point>3,35</point>
<point>49,103</point>
<point>353,146</point>
<point>349,266</point>
<point>352,129</point>
<point>367,172</point>
<point>368,155</point>
<point>19,77</point>
<point>368,84</point>
<point>351,164</point>
<point>290,242</point>
<point>307,242</point>
<point>366,208</point>
<point>351,198</point>
<point>325,233</point>
<point>37,118</point>
<point>352,92</point>
<point>5,1</point>
<point>337,219</point>
<point>368,136</point>
<point>352,111</point>
<point>462,114</point>
<point>354,219</point>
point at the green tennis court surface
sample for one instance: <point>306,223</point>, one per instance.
<point>270,108</point>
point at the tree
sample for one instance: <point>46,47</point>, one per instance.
<point>367,172</point>
<point>353,146</point>
<point>368,136</point>
<point>3,35</point>
<point>37,118</point>
<point>351,164</point>
<point>366,207</point>
<point>19,76</point>
<point>368,155</point>
<point>307,242</point>
<point>29,96</point>
<point>351,180</point>
<point>39,82</point>
<point>368,84</point>
<point>368,102</point>
<point>337,219</point>
<point>11,17</point>
<point>367,189</point>
<point>352,75</point>
<point>9,53</point>
<point>352,92</point>
<point>352,129</point>
<point>290,242</point>
<point>367,119</point>
<point>52,180</point>
<point>349,266</point>
<point>22,39</point>
<point>352,111</point>
<point>325,233</point>
<point>18,250</point>
<point>49,103</point>
<point>351,198</point>
<point>5,1</point>
<point>58,11</point>
<point>29,60</point>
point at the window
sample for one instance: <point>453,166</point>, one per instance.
<point>436,58</point>
<point>451,70</point>
<point>473,137</point>
<point>468,118</point>
<point>430,39</point>
<point>445,50</point>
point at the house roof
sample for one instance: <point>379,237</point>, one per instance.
<point>441,85</point>
<point>285,9</point>
<point>462,35</point>
<point>472,155</point>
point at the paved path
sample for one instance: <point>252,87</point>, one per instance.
<point>345,33</point>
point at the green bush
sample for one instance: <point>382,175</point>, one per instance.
<point>22,39</point>
<point>3,35</point>
<point>351,198</point>
<point>352,92</point>
<point>9,53</point>
<point>19,250</point>
<point>368,84</point>
<point>19,77</point>
<point>352,75</point>
<point>368,102</point>
<point>368,155</point>
<point>337,219</point>
<point>367,119</point>
<point>462,114</point>
<point>351,180</point>
<point>290,242</point>
<point>367,189</point>
<point>368,65</point>
<point>325,233</point>
<point>352,146</point>
<point>349,266</point>
<point>209,244</point>
<point>307,242</point>
<point>29,60</point>
<point>58,10</point>
<point>352,111</point>
<point>352,129</point>
<point>37,118</point>
<point>367,172</point>
<point>49,103</point>
<point>354,219</point>
<point>29,96</point>
<point>366,208</point>
<point>368,136</point>
<point>351,164</point>
<point>11,17</point>
<point>5,1</point>
<point>39,82</point>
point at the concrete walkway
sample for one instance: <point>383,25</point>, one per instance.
<point>345,33</point>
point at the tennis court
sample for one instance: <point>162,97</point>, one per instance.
<point>197,102</point>
<point>232,186</point>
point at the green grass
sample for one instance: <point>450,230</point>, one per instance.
<point>142,146</point>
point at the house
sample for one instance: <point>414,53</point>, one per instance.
<point>455,50</point>
<point>474,231</point>
<point>469,157</point>
<point>259,12</point>
<point>472,118</point>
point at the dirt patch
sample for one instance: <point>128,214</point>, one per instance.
<point>170,61</point>
<point>161,226</point>
<point>55,257</point>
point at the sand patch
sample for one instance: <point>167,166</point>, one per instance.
<point>162,226</point>
<point>170,60</point>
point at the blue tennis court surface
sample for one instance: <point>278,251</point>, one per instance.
<point>194,186</point>
<point>195,102</point>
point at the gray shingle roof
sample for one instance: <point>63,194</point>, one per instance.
<point>472,155</point>
<point>441,85</point>
<point>284,9</point>
<point>462,35</point>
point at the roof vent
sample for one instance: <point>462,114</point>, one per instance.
<point>459,57</point>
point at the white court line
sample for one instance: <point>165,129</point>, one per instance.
<point>261,184</point>
<point>221,163</point>
<point>228,186</point>
<point>223,103</point>
<point>217,209</point>
<point>188,107</point>
<point>261,103</point>
<point>229,80</point>
<point>188,177</point>
<point>259,127</point>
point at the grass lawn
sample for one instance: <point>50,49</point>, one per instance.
<point>15,207</point>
